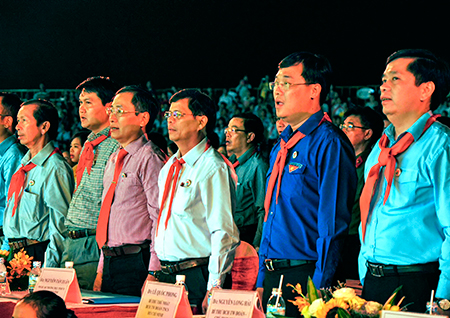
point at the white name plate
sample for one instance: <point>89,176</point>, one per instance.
<point>162,300</point>
<point>62,281</point>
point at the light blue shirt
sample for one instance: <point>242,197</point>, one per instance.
<point>10,156</point>
<point>413,227</point>
<point>42,209</point>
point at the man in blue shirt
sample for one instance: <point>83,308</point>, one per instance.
<point>308,207</point>
<point>41,189</point>
<point>405,230</point>
<point>10,151</point>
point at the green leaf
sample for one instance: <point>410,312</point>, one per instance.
<point>342,313</point>
<point>312,291</point>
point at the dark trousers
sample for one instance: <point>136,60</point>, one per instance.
<point>35,250</point>
<point>292,275</point>
<point>196,283</point>
<point>416,288</point>
<point>125,274</point>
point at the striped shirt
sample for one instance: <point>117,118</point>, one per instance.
<point>87,199</point>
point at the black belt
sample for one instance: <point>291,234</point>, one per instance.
<point>17,244</point>
<point>380,270</point>
<point>76,234</point>
<point>276,264</point>
<point>175,267</point>
<point>128,249</point>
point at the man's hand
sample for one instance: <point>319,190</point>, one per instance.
<point>98,282</point>
<point>149,278</point>
<point>205,301</point>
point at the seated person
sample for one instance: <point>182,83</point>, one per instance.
<point>42,304</point>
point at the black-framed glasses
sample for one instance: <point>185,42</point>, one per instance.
<point>175,114</point>
<point>4,115</point>
<point>284,85</point>
<point>232,130</point>
<point>119,111</point>
<point>350,126</point>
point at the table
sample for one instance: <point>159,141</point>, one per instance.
<point>8,303</point>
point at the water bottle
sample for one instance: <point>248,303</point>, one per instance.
<point>34,275</point>
<point>181,281</point>
<point>3,272</point>
<point>276,304</point>
<point>216,284</point>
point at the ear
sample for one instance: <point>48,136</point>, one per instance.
<point>145,118</point>
<point>368,134</point>
<point>202,121</point>
<point>250,137</point>
<point>315,90</point>
<point>7,122</point>
<point>427,90</point>
<point>45,127</point>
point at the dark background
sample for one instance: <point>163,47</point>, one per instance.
<point>206,43</point>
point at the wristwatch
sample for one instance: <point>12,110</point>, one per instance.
<point>154,273</point>
<point>444,304</point>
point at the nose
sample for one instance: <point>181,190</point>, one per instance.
<point>81,109</point>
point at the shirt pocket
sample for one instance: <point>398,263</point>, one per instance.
<point>187,205</point>
<point>406,185</point>
<point>293,179</point>
<point>29,207</point>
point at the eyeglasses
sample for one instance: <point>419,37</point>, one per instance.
<point>175,114</point>
<point>4,115</point>
<point>118,111</point>
<point>232,130</point>
<point>284,86</point>
<point>350,126</point>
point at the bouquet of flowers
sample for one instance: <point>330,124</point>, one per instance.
<point>19,266</point>
<point>340,303</point>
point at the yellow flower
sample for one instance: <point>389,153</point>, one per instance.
<point>300,302</point>
<point>356,303</point>
<point>334,302</point>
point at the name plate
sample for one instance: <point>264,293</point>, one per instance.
<point>234,304</point>
<point>405,314</point>
<point>62,281</point>
<point>162,300</point>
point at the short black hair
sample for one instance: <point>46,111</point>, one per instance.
<point>143,101</point>
<point>11,105</point>
<point>103,86</point>
<point>45,111</point>
<point>47,304</point>
<point>427,67</point>
<point>252,123</point>
<point>83,134</point>
<point>369,119</point>
<point>316,70</point>
<point>199,104</point>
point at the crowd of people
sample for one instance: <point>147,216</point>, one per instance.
<point>318,187</point>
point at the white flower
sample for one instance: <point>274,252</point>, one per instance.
<point>316,305</point>
<point>344,293</point>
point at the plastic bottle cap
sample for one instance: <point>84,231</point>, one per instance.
<point>180,278</point>
<point>69,264</point>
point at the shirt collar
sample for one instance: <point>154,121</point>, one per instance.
<point>306,128</point>
<point>245,156</point>
<point>104,132</point>
<point>415,130</point>
<point>41,156</point>
<point>8,142</point>
<point>135,145</point>
<point>194,154</point>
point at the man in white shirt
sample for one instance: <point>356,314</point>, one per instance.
<point>196,235</point>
